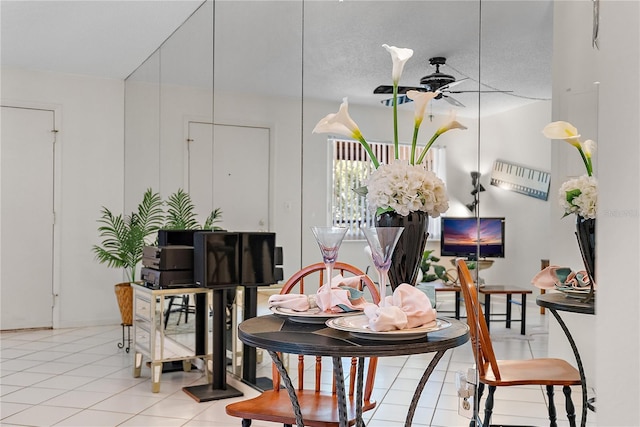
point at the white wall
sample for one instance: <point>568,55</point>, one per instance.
<point>610,340</point>
<point>90,144</point>
<point>618,234</point>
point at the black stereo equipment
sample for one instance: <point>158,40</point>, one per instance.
<point>228,259</point>
<point>176,237</point>
<point>174,257</point>
<point>166,278</point>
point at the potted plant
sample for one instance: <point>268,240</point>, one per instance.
<point>181,214</point>
<point>123,239</point>
<point>429,260</point>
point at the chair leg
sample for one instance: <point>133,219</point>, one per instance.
<point>552,407</point>
<point>185,307</point>
<point>488,406</point>
<point>246,423</point>
<point>168,312</point>
<point>571,410</point>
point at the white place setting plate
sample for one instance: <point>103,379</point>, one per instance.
<point>313,315</point>
<point>358,326</point>
<point>572,292</point>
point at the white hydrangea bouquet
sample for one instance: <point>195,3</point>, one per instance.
<point>402,186</point>
<point>577,195</point>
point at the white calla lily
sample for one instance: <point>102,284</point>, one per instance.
<point>420,99</point>
<point>589,147</point>
<point>342,124</point>
<point>562,130</point>
<point>399,56</point>
<point>452,123</point>
<point>567,132</point>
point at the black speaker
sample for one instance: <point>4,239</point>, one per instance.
<point>258,261</point>
<point>176,237</point>
<point>216,259</point>
<point>227,259</point>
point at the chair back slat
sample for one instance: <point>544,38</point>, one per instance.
<point>480,339</point>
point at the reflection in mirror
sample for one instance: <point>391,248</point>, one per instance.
<point>186,64</point>
<point>142,131</point>
<point>344,57</point>
<point>514,158</point>
<point>255,133</point>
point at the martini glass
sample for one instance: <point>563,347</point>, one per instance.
<point>382,241</point>
<point>329,240</point>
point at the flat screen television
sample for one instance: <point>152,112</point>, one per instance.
<point>459,237</point>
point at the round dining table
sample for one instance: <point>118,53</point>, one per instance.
<point>558,301</point>
<point>279,334</point>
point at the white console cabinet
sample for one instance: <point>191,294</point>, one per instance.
<point>152,340</point>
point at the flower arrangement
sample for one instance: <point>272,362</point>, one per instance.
<point>402,186</point>
<point>578,195</point>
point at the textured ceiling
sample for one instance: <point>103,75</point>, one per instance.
<point>337,43</point>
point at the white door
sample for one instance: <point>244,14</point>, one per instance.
<point>26,227</point>
<point>229,169</point>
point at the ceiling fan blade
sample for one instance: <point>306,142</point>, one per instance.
<point>453,84</point>
<point>402,99</point>
<point>453,101</point>
<point>387,89</point>
<point>478,91</point>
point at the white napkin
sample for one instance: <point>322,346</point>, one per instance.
<point>407,308</point>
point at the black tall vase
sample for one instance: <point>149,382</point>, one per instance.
<point>586,234</point>
<point>406,258</point>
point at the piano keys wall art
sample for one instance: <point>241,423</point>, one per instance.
<point>521,179</point>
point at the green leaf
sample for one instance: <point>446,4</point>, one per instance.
<point>361,191</point>
<point>572,194</point>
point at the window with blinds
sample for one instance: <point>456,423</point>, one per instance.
<point>351,167</point>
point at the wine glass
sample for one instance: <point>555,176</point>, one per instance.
<point>329,240</point>
<point>382,241</point>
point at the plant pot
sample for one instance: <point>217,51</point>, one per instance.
<point>124,295</point>
<point>406,258</point>
<point>586,235</point>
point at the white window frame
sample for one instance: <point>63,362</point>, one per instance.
<point>344,202</point>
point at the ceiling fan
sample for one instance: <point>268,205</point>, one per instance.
<point>436,81</point>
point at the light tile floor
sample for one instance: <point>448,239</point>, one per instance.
<point>78,377</point>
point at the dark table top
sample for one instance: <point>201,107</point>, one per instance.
<point>277,333</point>
<point>561,302</point>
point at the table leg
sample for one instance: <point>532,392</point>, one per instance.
<point>287,384</point>
<point>583,379</point>
<point>421,385</point>
<point>487,310</point>
<point>359,383</point>
<point>523,318</point>
<point>342,398</point>
<point>508,323</point>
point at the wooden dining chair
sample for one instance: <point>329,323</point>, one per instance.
<point>548,372</point>
<point>319,405</point>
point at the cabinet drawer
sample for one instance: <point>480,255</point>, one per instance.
<point>143,307</point>
<point>142,338</point>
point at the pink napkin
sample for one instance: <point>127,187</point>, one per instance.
<point>407,308</point>
<point>296,302</point>
<point>343,295</point>
<point>546,278</point>
<point>553,277</point>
